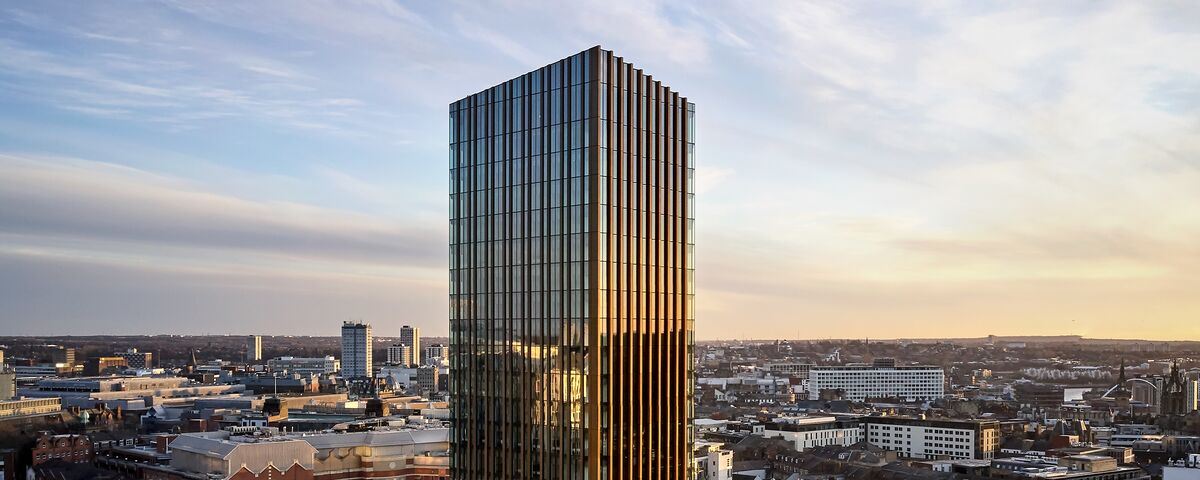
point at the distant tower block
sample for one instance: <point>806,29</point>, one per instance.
<point>254,349</point>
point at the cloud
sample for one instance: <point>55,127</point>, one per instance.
<point>870,166</point>
<point>51,294</point>
<point>81,201</point>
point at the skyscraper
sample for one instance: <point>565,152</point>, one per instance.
<point>253,348</point>
<point>411,336</point>
<point>356,350</point>
<point>571,275</point>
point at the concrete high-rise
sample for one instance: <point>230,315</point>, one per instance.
<point>254,348</point>
<point>399,354</point>
<point>571,275</point>
<point>356,350</point>
<point>411,336</point>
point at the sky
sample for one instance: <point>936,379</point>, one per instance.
<point>933,169</point>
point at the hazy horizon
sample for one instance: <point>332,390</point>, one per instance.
<point>937,170</point>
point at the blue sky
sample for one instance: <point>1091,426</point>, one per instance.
<point>936,169</point>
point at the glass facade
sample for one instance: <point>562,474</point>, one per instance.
<point>571,275</point>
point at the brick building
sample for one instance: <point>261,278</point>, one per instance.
<point>69,448</point>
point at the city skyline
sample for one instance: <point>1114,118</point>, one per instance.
<point>942,171</point>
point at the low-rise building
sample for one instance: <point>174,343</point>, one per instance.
<point>937,439</point>
<point>127,392</point>
<point>30,406</point>
<point>401,454</point>
<point>711,461</point>
<point>805,432</point>
<point>305,365</point>
<point>68,448</point>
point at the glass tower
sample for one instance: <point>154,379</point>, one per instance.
<point>571,275</point>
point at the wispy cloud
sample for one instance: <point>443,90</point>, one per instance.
<point>80,201</point>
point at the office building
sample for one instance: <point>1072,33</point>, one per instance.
<point>805,432</point>
<point>793,370</point>
<point>43,370</point>
<point>435,353</point>
<point>135,359</point>
<point>934,439</point>
<point>128,392</point>
<point>104,365</point>
<point>411,336</point>
<point>305,365</point>
<point>429,379</point>
<point>1187,468</point>
<point>571,272</point>
<point>1034,395</point>
<point>400,354</point>
<point>30,407</point>
<point>60,355</point>
<point>254,349</point>
<point>356,350</point>
<point>861,382</point>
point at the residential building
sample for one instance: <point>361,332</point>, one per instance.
<point>712,462</point>
<point>435,353</point>
<point>68,448</point>
<point>571,273</point>
<point>400,354</point>
<point>356,350</point>
<point>411,337</point>
<point>861,382</point>
<point>805,432</point>
<point>254,349</point>
<point>934,439</point>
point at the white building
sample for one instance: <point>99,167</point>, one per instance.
<point>711,462</point>
<point>356,350</point>
<point>939,439</point>
<point>861,382</point>
<point>305,365</point>
<point>805,432</point>
<point>1183,469</point>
